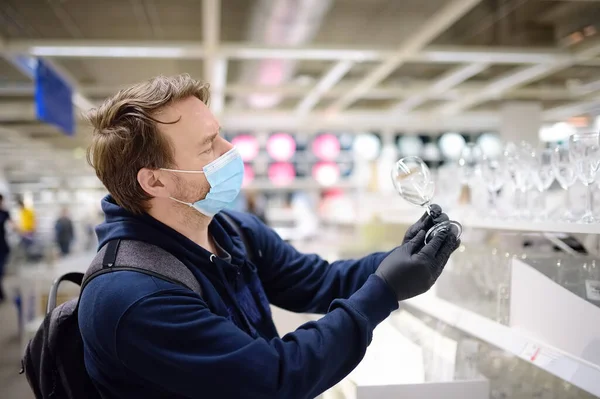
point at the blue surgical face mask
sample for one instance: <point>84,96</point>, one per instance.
<point>225,175</point>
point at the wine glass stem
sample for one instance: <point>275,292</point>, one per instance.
<point>589,200</point>
<point>428,208</point>
<point>568,213</point>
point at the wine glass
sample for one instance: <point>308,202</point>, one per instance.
<point>521,163</point>
<point>543,176</point>
<point>413,181</point>
<point>494,174</point>
<point>564,171</point>
<point>469,163</point>
<point>584,152</point>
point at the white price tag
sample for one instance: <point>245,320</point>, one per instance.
<point>538,355</point>
<point>592,290</point>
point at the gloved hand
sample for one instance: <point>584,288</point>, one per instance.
<point>426,222</point>
<point>413,268</point>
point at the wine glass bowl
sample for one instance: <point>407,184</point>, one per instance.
<point>543,170</point>
<point>564,171</point>
<point>584,153</point>
<point>413,181</point>
<point>469,163</point>
<point>494,174</point>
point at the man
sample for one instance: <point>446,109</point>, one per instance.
<point>157,149</point>
<point>4,248</point>
<point>63,229</point>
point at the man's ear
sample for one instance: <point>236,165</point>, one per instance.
<point>150,181</point>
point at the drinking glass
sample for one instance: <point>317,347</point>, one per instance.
<point>413,181</point>
<point>470,162</point>
<point>584,152</point>
<point>510,158</point>
<point>494,173</point>
<point>522,165</point>
<point>564,171</point>
<point>543,176</point>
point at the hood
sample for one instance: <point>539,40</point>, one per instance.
<point>122,224</point>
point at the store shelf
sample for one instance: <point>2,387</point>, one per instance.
<point>502,224</point>
<point>573,369</point>
<point>299,184</point>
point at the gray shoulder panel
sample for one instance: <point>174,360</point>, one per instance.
<point>148,257</point>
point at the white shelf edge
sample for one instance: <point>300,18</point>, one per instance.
<point>573,369</point>
<point>507,224</point>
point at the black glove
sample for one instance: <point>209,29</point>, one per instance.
<point>426,222</point>
<point>413,268</point>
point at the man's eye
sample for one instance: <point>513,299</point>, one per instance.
<point>208,151</point>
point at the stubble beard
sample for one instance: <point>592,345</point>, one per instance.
<point>191,192</point>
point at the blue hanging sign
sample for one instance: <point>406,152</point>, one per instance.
<point>53,99</point>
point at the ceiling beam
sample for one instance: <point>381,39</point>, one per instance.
<point>392,91</point>
<point>520,76</point>
<point>562,112</point>
<point>352,121</point>
<point>434,26</point>
<point>447,81</point>
<point>17,111</point>
<point>215,66</point>
<point>329,79</point>
<point>243,51</point>
<point>359,121</point>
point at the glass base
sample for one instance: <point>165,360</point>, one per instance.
<point>587,219</point>
<point>568,217</point>
<point>455,228</point>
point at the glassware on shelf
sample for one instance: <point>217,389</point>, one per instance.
<point>471,159</point>
<point>584,153</point>
<point>469,165</point>
<point>522,170</point>
<point>543,176</point>
<point>564,171</point>
<point>494,173</point>
<point>412,179</point>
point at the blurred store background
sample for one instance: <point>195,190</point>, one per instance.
<point>322,97</point>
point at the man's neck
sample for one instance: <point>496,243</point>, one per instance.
<point>186,221</point>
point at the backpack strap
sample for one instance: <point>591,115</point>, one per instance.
<point>74,277</point>
<point>240,232</point>
<point>141,257</point>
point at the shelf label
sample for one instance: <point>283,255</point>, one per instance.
<point>542,357</point>
<point>550,360</point>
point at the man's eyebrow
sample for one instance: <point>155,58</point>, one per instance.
<point>210,139</point>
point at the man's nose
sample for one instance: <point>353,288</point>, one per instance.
<point>223,145</point>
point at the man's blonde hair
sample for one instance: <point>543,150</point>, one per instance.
<point>126,136</point>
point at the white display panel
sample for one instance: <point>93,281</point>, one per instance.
<point>549,312</point>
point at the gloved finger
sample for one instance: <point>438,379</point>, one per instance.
<point>416,243</point>
<point>424,223</point>
<point>442,217</point>
<point>435,210</point>
<point>432,248</point>
<point>451,245</point>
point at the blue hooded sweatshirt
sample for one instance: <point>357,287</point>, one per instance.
<point>148,338</point>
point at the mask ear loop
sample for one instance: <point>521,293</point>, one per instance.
<point>182,171</point>
<point>182,202</point>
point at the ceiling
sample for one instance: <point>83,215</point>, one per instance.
<point>303,64</point>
